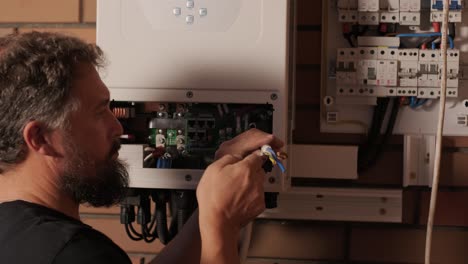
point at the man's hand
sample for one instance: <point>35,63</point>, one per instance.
<point>247,142</point>
<point>232,187</point>
<point>230,194</point>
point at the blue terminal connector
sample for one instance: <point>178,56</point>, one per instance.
<point>268,151</point>
<point>454,5</point>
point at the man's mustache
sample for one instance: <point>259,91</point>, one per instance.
<point>115,147</point>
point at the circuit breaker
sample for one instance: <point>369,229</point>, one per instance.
<point>385,68</point>
<point>391,59</point>
<point>455,11</point>
<point>382,72</point>
<point>373,12</point>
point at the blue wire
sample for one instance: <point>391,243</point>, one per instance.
<point>412,101</point>
<point>278,161</point>
<point>419,103</point>
<point>281,166</point>
<point>272,152</point>
<point>426,35</point>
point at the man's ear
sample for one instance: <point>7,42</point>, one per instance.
<point>39,139</point>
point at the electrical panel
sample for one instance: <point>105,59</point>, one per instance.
<point>163,139</point>
<point>383,76</point>
<point>392,59</point>
<point>184,76</point>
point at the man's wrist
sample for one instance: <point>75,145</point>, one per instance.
<point>219,240</point>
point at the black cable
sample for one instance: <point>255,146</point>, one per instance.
<point>174,225</point>
<point>377,120</point>
<point>396,26</point>
<point>173,206</point>
<point>131,231</point>
<point>388,132</point>
<point>147,236</point>
<point>451,30</point>
<point>378,117</point>
<point>182,217</point>
<point>162,230</point>
<point>427,41</point>
<point>153,221</point>
<point>368,148</point>
<point>347,36</point>
<point>161,226</point>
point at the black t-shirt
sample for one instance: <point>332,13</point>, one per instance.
<point>31,233</point>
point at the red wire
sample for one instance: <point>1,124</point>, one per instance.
<point>436,26</point>
<point>346,28</point>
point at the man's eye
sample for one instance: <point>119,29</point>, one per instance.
<point>102,111</point>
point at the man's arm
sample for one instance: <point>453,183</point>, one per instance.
<point>230,195</point>
<point>185,247</point>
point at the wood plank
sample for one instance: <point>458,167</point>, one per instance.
<point>309,12</point>
<point>49,11</point>
<point>451,210</point>
<point>403,245</point>
<point>308,86</point>
<point>86,209</point>
<point>297,240</point>
<point>89,11</point>
<point>308,47</point>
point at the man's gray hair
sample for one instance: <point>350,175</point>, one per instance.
<point>36,73</point>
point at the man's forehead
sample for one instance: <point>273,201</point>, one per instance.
<point>87,85</point>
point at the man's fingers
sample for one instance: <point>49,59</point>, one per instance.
<point>273,141</point>
<point>256,139</point>
<point>226,160</point>
<point>255,160</point>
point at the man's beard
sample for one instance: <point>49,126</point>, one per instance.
<point>98,184</point>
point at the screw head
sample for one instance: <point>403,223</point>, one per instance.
<point>271,180</point>
<point>189,94</point>
<point>188,177</point>
<point>274,96</point>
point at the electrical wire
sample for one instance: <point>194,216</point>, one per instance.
<point>132,233</point>
<point>377,150</point>
<point>440,128</point>
<point>147,234</point>
<point>415,103</point>
<point>427,35</point>
<point>451,30</point>
<point>152,224</point>
<point>271,154</point>
<point>372,139</point>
